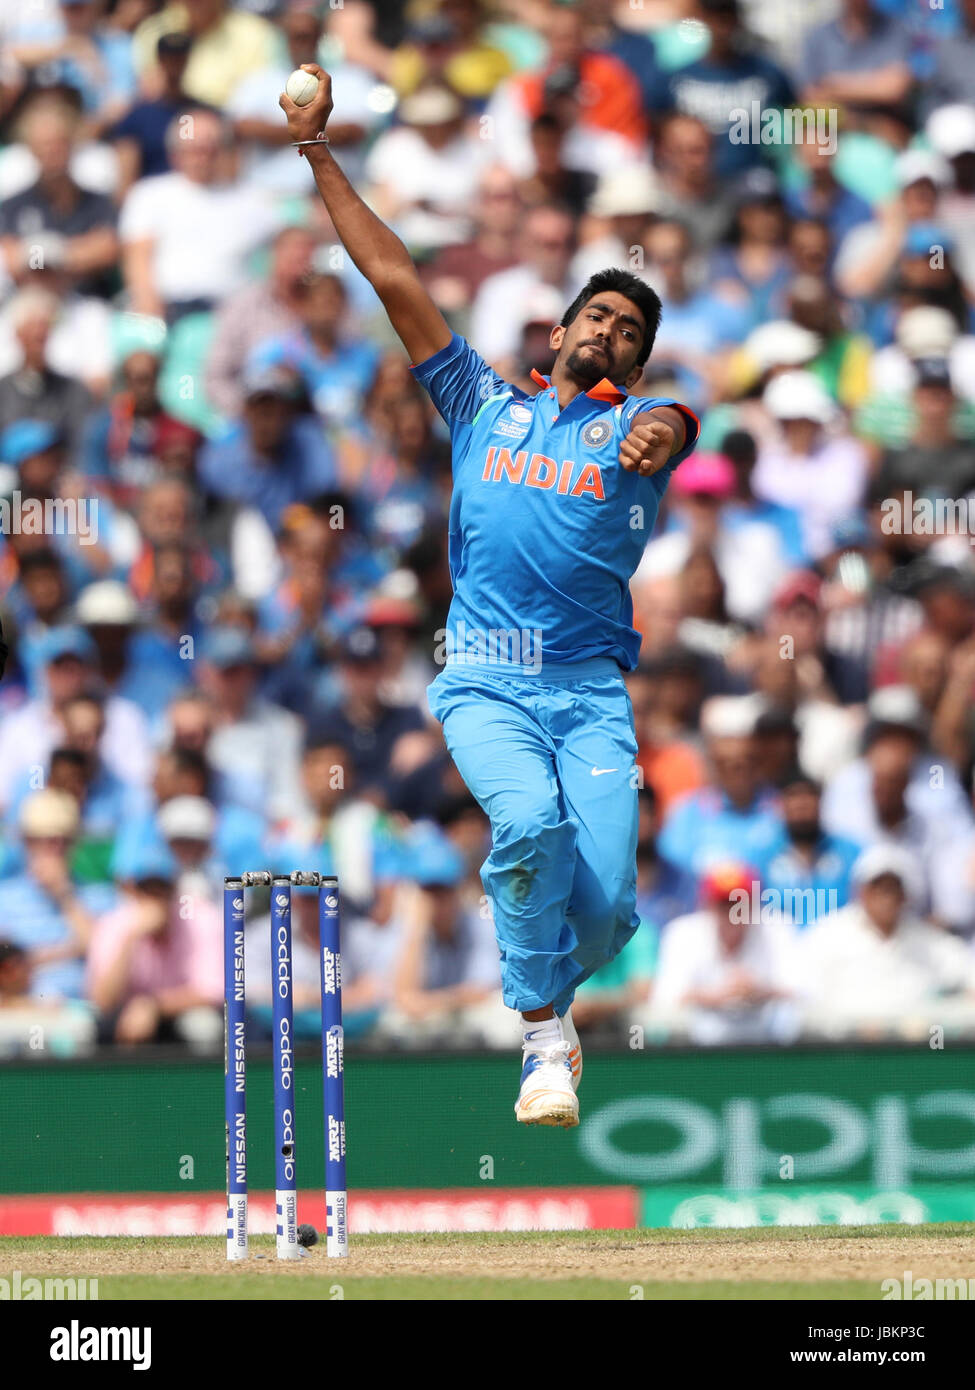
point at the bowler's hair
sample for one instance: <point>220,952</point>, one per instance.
<point>633,289</point>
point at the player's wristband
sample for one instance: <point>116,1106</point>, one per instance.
<point>320,139</point>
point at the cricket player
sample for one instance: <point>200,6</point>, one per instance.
<point>554,497</point>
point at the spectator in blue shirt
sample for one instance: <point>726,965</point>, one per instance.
<point>810,869</point>
<point>860,61</point>
<point>821,197</point>
<point>273,456</point>
<point>733,816</point>
<point>336,367</point>
<point>42,909</point>
<point>729,79</point>
<point>140,136</point>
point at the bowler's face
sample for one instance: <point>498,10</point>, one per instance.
<point>603,340</point>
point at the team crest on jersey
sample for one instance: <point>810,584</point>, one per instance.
<point>596,433</point>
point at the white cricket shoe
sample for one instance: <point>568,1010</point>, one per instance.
<point>547,1095</point>
<point>575,1048</point>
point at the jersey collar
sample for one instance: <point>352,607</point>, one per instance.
<point>603,390</point>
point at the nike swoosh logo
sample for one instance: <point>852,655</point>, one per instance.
<point>602,771</point>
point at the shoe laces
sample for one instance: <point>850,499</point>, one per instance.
<point>554,1053</point>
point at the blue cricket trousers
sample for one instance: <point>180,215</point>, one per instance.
<point>550,757</point>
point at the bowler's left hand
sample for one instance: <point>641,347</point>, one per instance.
<point>648,446</point>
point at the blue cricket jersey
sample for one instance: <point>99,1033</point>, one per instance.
<point>546,527</point>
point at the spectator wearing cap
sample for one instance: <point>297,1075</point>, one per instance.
<point>183,773</point>
<point>34,389</point>
<point>663,892</point>
<point>860,62</point>
<point>842,364</point>
<point>255,744</point>
<point>698,326</point>
<point>62,664</point>
<point>446,979</point>
<point>797,622</point>
<point>624,203</point>
<point>809,869</point>
<point>393,614</point>
<point>921,333</point>
<point>869,254</point>
<point>228,43</point>
<point>749,553</point>
<point>820,474</point>
<point>108,612</point>
<point>726,975</point>
<point>951,132</point>
<point>188,826</point>
<point>335,364</point>
<point>889,794</point>
<point>690,192</point>
<point>334,829</point>
<point>423,173</point>
<point>139,137</point>
<point>731,77</point>
<point>43,908</point>
<point>264,308</point>
<point>155,962</point>
<point>877,966</point>
<point>357,714</point>
<point>56,212</point>
<point>456,272</point>
<point>935,462</point>
<point>268,160</point>
<point>186,234</point>
<point>100,535</point>
<point>272,456</point>
<point>733,813</point>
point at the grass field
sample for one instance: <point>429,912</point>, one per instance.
<point>783,1263</point>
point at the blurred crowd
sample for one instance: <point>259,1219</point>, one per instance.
<point>223,570</point>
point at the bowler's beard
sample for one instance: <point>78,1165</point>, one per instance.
<point>804,832</point>
<point>589,366</point>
